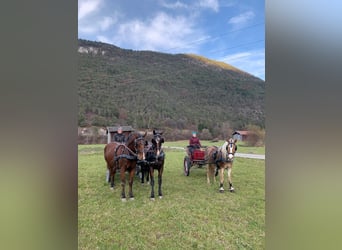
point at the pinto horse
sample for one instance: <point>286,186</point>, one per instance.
<point>155,161</point>
<point>221,158</point>
<point>124,157</point>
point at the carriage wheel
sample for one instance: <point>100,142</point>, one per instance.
<point>186,166</point>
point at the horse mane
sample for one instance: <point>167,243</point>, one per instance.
<point>132,136</point>
<point>223,148</point>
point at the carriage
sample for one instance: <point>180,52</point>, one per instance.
<point>196,157</point>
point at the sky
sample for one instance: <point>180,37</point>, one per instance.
<point>230,31</point>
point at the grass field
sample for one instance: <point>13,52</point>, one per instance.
<point>191,215</point>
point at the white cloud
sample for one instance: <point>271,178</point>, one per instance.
<point>252,62</point>
<point>211,4</point>
<point>159,33</point>
<point>176,5</point>
<point>241,19</point>
<point>103,39</point>
<point>106,22</point>
<point>87,7</point>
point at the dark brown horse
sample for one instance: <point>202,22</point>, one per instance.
<point>155,161</point>
<point>124,157</point>
<point>220,159</point>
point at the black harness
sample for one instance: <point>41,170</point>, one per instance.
<point>130,155</point>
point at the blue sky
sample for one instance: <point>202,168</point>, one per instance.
<point>231,31</point>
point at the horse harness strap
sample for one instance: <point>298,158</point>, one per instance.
<point>126,156</point>
<point>130,156</point>
<point>223,159</point>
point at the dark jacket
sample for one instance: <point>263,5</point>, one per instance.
<point>120,138</point>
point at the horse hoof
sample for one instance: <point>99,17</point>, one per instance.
<point>112,188</point>
<point>152,199</point>
<point>123,199</point>
<point>232,190</point>
<point>132,198</point>
<point>160,197</point>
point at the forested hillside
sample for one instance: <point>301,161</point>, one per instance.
<point>148,89</point>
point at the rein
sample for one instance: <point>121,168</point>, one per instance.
<point>131,155</point>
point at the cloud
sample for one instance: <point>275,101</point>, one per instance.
<point>106,22</point>
<point>162,32</point>
<point>252,61</point>
<point>176,5</point>
<point>103,39</point>
<point>87,7</point>
<point>240,20</point>
<point>211,4</point>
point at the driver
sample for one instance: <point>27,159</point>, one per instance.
<point>119,137</point>
<point>194,142</point>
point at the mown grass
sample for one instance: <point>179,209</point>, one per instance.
<point>191,215</point>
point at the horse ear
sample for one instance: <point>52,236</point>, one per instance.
<point>235,140</point>
<point>162,140</point>
<point>154,132</point>
<point>145,134</point>
<point>153,141</point>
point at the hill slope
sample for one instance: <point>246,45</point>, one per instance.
<point>149,89</point>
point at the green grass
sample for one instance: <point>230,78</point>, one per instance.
<point>191,215</point>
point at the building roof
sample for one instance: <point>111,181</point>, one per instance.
<point>124,128</point>
<point>242,132</point>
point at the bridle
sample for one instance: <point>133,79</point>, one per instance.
<point>136,143</point>
<point>131,154</point>
<point>158,141</point>
<point>230,150</point>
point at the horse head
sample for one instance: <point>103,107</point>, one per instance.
<point>157,141</point>
<point>136,143</point>
<point>230,148</point>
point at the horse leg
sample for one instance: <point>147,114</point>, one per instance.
<point>113,177</point>
<point>130,182</point>
<point>221,172</point>
<point>208,173</point>
<point>108,175</point>
<point>142,172</point>
<point>160,180</point>
<point>147,172</point>
<point>123,183</point>
<point>112,174</point>
<point>231,188</point>
<point>152,182</point>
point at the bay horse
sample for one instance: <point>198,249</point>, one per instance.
<point>155,157</point>
<point>220,159</point>
<point>124,156</point>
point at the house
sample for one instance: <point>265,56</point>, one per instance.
<point>111,131</point>
<point>241,135</point>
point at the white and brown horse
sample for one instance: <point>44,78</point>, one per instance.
<point>220,159</point>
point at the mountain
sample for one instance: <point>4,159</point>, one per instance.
<point>147,89</point>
